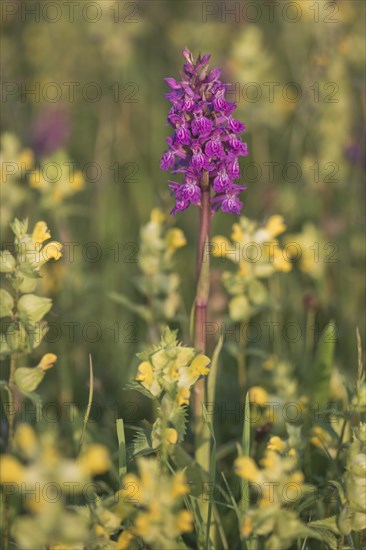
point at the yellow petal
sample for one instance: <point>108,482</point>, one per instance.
<point>175,238</point>
<point>220,246</point>
<point>124,540</point>
<point>78,182</point>
<point>200,363</point>
<point>183,396</point>
<point>41,232</point>
<point>179,486</point>
<point>275,226</point>
<point>26,157</point>
<point>238,234</point>
<point>25,439</point>
<point>47,361</point>
<point>11,470</point>
<point>258,395</point>
<point>95,460</point>
<point>247,527</point>
<point>171,436</point>
<point>184,521</point>
<point>51,251</point>
<point>246,468</point>
<point>276,444</point>
<point>145,373</point>
<point>157,216</point>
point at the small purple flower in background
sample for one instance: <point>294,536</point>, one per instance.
<point>205,145</point>
<point>51,130</point>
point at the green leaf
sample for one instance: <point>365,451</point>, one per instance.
<point>330,524</point>
<point>141,444</point>
<point>179,419</point>
<point>134,385</point>
<point>323,366</point>
<point>28,380</point>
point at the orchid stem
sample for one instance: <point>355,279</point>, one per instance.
<point>203,276</point>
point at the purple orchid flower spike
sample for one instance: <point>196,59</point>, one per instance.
<point>206,144</point>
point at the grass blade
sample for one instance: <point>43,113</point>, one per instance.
<point>90,401</point>
<point>122,460</point>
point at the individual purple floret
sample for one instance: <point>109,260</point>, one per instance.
<point>205,144</point>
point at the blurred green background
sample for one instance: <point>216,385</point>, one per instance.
<point>114,56</point>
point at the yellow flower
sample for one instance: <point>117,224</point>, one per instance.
<point>171,436</point>
<point>297,477</point>
<point>238,234</point>
<point>124,540</point>
<point>26,157</point>
<point>11,470</point>
<point>183,396</point>
<point>40,232</point>
<point>258,395</point>
<point>280,263</point>
<point>157,216</point>
<point>143,523</point>
<point>179,485</point>
<point>145,373</point>
<point>47,361</point>
<point>131,490</point>
<point>95,460</point>
<point>269,363</point>
<point>51,251</point>
<point>184,521</point>
<point>101,532</point>
<point>199,364</point>
<point>220,246</point>
<point>292,452</point>
<point>25,439</point>
<point>175,239</point>
<point>247,527</point>
<point>320,437</point>
<point>269,460</point>
<point>276,444</point>
<point>36,180</point>
<point>246,468</point>
<point>78,182</point>
<point>275,226</point>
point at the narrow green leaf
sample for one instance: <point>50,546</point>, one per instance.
<point>322,369</point>
<point>122,461</point>
<point>90,401</point>
<point>211,380</point>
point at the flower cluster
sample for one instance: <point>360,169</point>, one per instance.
<point>353,514</point>
<point>15,161</point>
<point>205,145</point>
<point>45,480</point>
<point>54,179</point>
<point>159,282</point>
<point>167,373</point>
<point>22,272</point>
<point>278,485</point>
<point>157,518</point>
<point>257,253</point>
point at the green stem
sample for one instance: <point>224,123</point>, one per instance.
<point>241,361</point>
